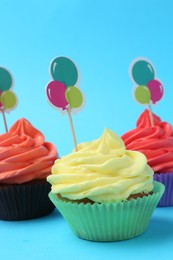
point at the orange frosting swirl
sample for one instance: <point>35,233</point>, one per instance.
<point>156,142</point>
<point>24,154</point>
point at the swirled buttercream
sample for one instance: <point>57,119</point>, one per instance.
<point>156,142</point>
<point>102,171</point>
<point>24,154</point>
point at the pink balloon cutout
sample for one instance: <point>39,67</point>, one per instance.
<point>156,90</point>
<point>55,91</point>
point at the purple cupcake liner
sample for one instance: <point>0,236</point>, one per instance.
<point>166,179</point>
<point>25,201</point>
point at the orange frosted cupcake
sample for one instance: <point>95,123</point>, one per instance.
<point>25,162</point>
<point>156,143</point>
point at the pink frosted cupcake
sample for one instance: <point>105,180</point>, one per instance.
<point>156,142</point>
<point>25,162</point>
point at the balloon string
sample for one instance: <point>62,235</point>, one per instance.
<point>72,128</point>
<point>4,119</point>
<point>151,115</point>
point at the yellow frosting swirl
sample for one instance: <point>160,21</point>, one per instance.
<point>102,171</point>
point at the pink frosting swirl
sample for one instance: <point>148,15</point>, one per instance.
<point>156,142</point>
<point>24,154</point>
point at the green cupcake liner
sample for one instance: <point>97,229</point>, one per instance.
<point>109,221</point>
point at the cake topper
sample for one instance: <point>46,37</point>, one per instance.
<point>8,99</point>
<point>62,91</point>
<point>148,89</point>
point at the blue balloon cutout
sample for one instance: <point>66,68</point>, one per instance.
<point>64,70</point>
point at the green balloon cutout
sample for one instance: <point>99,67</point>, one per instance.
<point>142,95</point>
<point>8,100</point>
<point>64,70</point>
<point>5,79</point>
<point>74,97</point>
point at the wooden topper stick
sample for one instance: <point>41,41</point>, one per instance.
<point>151,115</point>
<point>72,128</point>
<point>4,118</point>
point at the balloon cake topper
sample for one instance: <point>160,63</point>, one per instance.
<point>8,99</point>
<point>63,92</point>
<point>148,89</point>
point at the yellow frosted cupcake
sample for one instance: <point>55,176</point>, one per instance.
<point>105,192</point>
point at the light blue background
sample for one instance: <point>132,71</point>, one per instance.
<point>102,37</point>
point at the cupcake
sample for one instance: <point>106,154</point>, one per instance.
<point>103,191</point>
<point>25,162</point>
<point>156,142</point>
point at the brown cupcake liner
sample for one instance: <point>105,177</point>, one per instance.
<point>25,201</point>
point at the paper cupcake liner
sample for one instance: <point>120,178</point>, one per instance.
<point>109,221</point>
<point>167,179</point>
<point>25,201</point>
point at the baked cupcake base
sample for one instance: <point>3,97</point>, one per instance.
<point>25,201</point>
<point>109,221</point>
<point>167,179</point>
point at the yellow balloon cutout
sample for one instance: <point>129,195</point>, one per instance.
<point>142,95</point>
<point>74,96</point>
<point>8,100</point>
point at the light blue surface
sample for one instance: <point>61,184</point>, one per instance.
<point>102,37</point>
<point>51,238</point>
